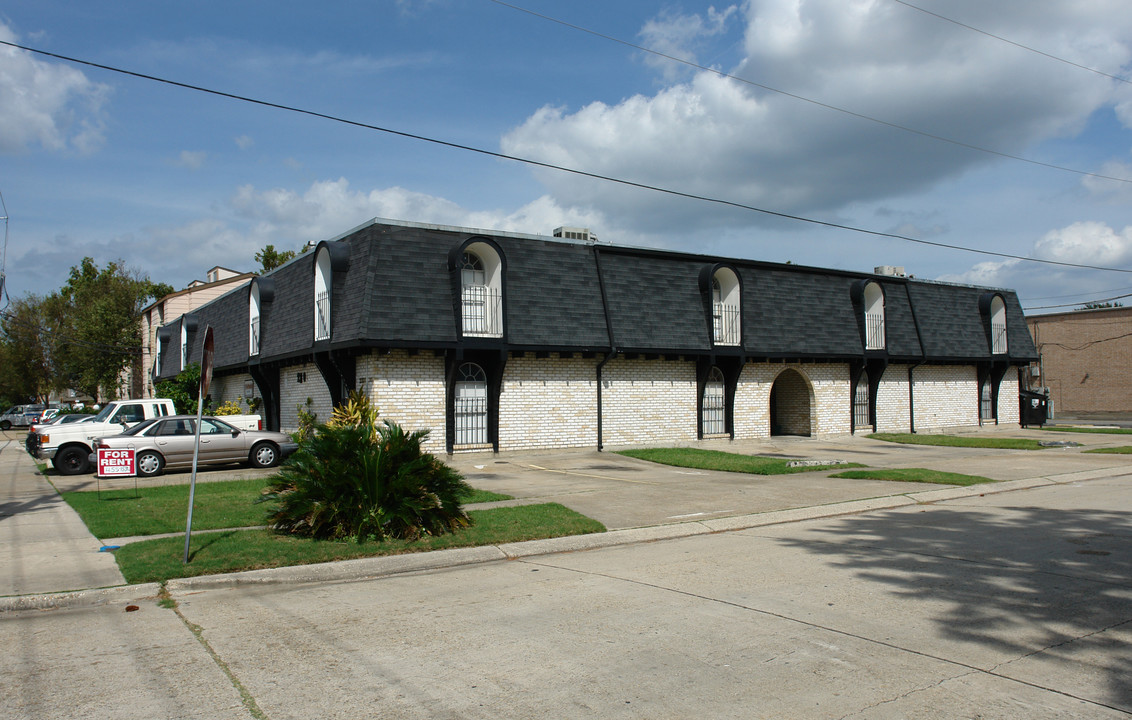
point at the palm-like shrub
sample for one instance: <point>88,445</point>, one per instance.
<point>353,478</point>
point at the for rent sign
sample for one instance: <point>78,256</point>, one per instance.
<point>116,463</point>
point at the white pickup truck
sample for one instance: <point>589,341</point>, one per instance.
<point>67,446</point>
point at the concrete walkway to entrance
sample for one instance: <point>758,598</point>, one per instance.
<point>46,548</point>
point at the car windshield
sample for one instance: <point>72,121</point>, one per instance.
<point>104,413</point>
<point>140,427</point>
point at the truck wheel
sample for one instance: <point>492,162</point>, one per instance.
<point>264,455</point>
<point>5,424</point>
<point>72,461</point>
<point>149,464</point>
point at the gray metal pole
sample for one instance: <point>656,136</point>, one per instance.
<point>193,478</point>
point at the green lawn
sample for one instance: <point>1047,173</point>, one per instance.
<point>236,550</point>
<point>1122,450</point>
<point>724,461</point>
<point>164,509</point>
<point>959,441</point>
<point>918,475</point>
<point>1097,430</point>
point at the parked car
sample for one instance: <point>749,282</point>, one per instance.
<point>69,446</point>
<point>69,418</point>
<point>41,415</point>
<point>167,442</point>
<point>19,416</point>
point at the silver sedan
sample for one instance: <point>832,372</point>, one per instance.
<point>167,442</point>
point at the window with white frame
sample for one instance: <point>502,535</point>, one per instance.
<point>253,320</point>
<point>184,345</point>
<point>998,325</point>
<point>481,296</point>
<point>471,405</point>
<point>714,411</point>
<point>725,307</point>
<point>322,281</point>
<point>874,317</point>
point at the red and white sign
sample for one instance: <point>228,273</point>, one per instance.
<point>116,463</point>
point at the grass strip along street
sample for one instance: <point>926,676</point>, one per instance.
<point>237,550</point>
<point>226,505</point>
<point>758,465</point>
<point>918,475</point>
<point>1094,430</point>
<point>957,441</point>
<point>725,462</point>
<point>1122,450</point>
<point>163,509</point>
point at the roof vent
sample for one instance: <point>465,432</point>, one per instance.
<point>575,233</point>
<point>890,270</point>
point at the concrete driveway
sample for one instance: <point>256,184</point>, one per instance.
<point>1011,605</point>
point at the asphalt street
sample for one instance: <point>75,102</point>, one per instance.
<point>1010,604</point>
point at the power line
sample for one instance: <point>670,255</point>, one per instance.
<point>802,98</point>
<point>1082,347</point>
<point>560,168</point>
<point>1015,44</point>
<point>1079,302</point>
<point>1094,292</point>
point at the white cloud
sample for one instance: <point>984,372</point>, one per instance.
<point>729,140</point>
<point>192,159</point>
<point>244,142</point>
<point>1087,243</point>
<point>990,273</point>
<point>677,36</point>
<point>47,104</point>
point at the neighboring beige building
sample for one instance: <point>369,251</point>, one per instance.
<point>219,280</point>
<point>1086,359</point>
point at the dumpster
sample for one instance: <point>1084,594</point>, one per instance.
<point>1034,408</point>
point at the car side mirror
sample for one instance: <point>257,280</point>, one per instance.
<point>235,433</point>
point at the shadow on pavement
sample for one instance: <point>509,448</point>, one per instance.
<point>1038,586</point>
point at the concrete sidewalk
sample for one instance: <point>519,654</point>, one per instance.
<point>49,559</point>
<point>44,545</point>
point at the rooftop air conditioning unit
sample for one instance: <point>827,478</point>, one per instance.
<point>890,270</point>
<point>575,233</point>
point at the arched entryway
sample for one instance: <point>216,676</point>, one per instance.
<point>790,404</point>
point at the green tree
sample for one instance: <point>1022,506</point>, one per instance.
<point>269,258</point>
<point>1101,305</point>
<point>183,390</point>
<point>25,371</point>
<point>94,322</point>
<point>160,290</point>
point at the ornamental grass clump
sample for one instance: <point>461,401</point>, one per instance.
<point>355,478</point>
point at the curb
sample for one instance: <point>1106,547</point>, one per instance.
<point>80,598</point>
<point>377,567</point>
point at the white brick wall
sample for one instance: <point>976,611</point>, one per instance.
<point>293,394</point>
<point>231,388</point>
<point>1008,411</point>
<point>946,396</point>
<point>552,402</point>
<point>648,401</point>
<point>892,400</point>
<point>829,398</point>
<point>407,389</point>
<point>548,403</point>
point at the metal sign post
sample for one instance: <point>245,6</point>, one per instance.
<point>205,381</point>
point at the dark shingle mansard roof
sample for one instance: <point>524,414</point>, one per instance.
<point>398,291</point>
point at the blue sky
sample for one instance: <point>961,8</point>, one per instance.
<point>174,182</point>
